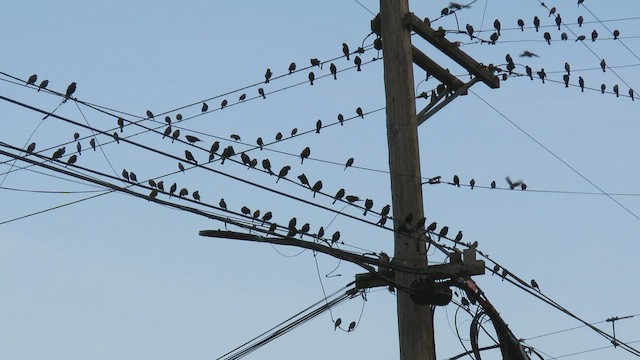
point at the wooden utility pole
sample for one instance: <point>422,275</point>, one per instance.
<point>415,322</point>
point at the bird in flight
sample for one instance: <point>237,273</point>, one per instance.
<point>528,54</point>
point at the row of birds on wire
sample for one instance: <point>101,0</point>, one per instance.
<point>513,184</point>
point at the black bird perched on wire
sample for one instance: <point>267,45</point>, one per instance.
<point>339,195</point>
<point>242,97</point>
<point>160,185</point>
<point>368,204</point>
<point>294,131</point>
<point>235,137</point>
<point>469,28</point>
<point>279,136</point>
<point>497,26</point>
<point>493,184</point>
<point>616,33</point>
<point>348,163</point>
<point>266,164</point>
<point>166,132</point>
<point>32,79</point>
<point>581,83</point>
<point>385,210</point>
<point>315,62</point>
<point>352,326</point>
<point>223,103</point>
<point>603,65</point>
<point>359,112</point>
<point>564,36</point>
<point>303,180</point>
<point>70,90</point>
<point>222,204</point>
<point>304,154</point>
<point>196,195</point>
<point>179,117</point>
<point>266,217</point>
<point>341,119</point>
<point>181,167</point>
<point>150,114</point>
<point>616,90</point>
<point>320,233</point>
<point>594,35</point>
<point>558,21</point>
<point>92,142</point>
<point>458,237</point>
<point>189,156</point>
<point>215,147</point>
<point>352,198</point>
<point>565,77</point>
<point>472,183</point>
<point>316,187</point>
<point>334,71</point>
<point>153,194</point>
<point>521,24</point>
<point>260,142</point>
<point>318,126</point>
<point>205,107</point>
<point>227,153</point>
<point>534,285</point>
<point>542,75</point>
<point>443,232</point>
<point>456,180</point>
<point>292,67</point>
<point>337,323</point>
<point>552,11</point>
<point>173,189</point>
<point>133,177</point>
<point>345,50</point>
<point>175,135</point>
<point>335,237</point>
<point>529,72</point>
<point>245,211</point>
<point>567,67</point>
<point>261,93</point>
<point>72,160</point>
<point>547,36</point>
<point>267,76</point>
<point>31,148</point>
<point>255,215</point>
<point>304,229</point>
<point>120,124</point>
<point>192,139</point>
<point>116,137</point>
<point>603,87</point>
<point>283,172</point>
<point>76,136</point>
<point>358,61</point>
<point>152,183</point>
<point>312,77</point>
<point>536,23</point>
<point>432,227</point>
<point>43,84</point>
<point>631,94</point>
<point>580,38</point>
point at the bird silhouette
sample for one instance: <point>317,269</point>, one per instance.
<point>256,215</point>
<point>181,167</point>
<point>493,184</point>
<point>316,187</point>
<point>534,285</point>
<point>242,97</point>
<point>272,228</point>
<point>339,195</point>
<point>558,21</point>
<point>616,33</point>
<point>303,179</point>
<point>320,232</point>
<point>513,184</point>
<point>368,204</point>
<point>150,115</point>
<point>92,142</point>
<point>70,90</point>
<point>580,38</point>
<point>267,76</point>
<point>352,198</point>
<point>603,65</point>
<point>222,204</point>
<point>444,12</point>
<point>603,87</point>
<point>179,117</point>
<point>469,29</point>
<point>214,147</point>
<point>335,237</point>
<point>58,153</point>
<point>76,136</point>
<point>72,159</point>
<point>348,163</point>
<point>334,71</point>
<point>292,67</point>
<point>153,193</point>
<point>175,135</point>
<point>358,61</point>
<point>458,237</point>
<point>160,185</point>
<point>493,38</point>
<point>227,153</point>
<point>266,164</point>
<point>509,59</point>
<point>472,183</point>
<point>253,164</point>
<point>581,83</point>
<point>580,20</point>
<point>167,119</point>
<point>261,93</point>
<point>223,103</point>
<point>125,174</point>
<point>196,195</point>
<point>382,221</point>
<point>565,77</point>
<point>536,23</point>
<point>523,186</point>
<point>245,158</point>
<point>133,176</point>
<point>352,326</point>
<point>31,148</point>
<point>631,94</point>
<point>359,112</point>
<point>266,217</point>
<point>192,139</point>
<point>456,180</point>
<point>294,131</point>
<point>580,2</point>
<point>116,137</point>
<point>279,136</point>
<point>564,36</point>
<point>318,126</point>
<point>235,137</point>
<point>32,79</point>
<point>283,172</point>
<point>304,154</point>
<point>547,36</point>
<point>173,189</point>
<point>337,323</point>
<point>341,119</point>
<point>432,227</point>
<point>567,68</point>
<point>312,77</point>
<point>528,54</point>
<point>304,229</point>
<point>385,210</point>
<point>205,107</point>
<point>529,72</point>
<point>152,183</point>
<point>594,35</point>
<point>189,156</point>
<point>245,211</point>
<point>616,90</point>
<point>542,75</point>
<point>315,62</point>
<point>443,232</point>
<point>43,85</point>
<point>496,25</point>
<point>345,50</point>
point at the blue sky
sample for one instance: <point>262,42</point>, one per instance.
<point>120,277</point>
